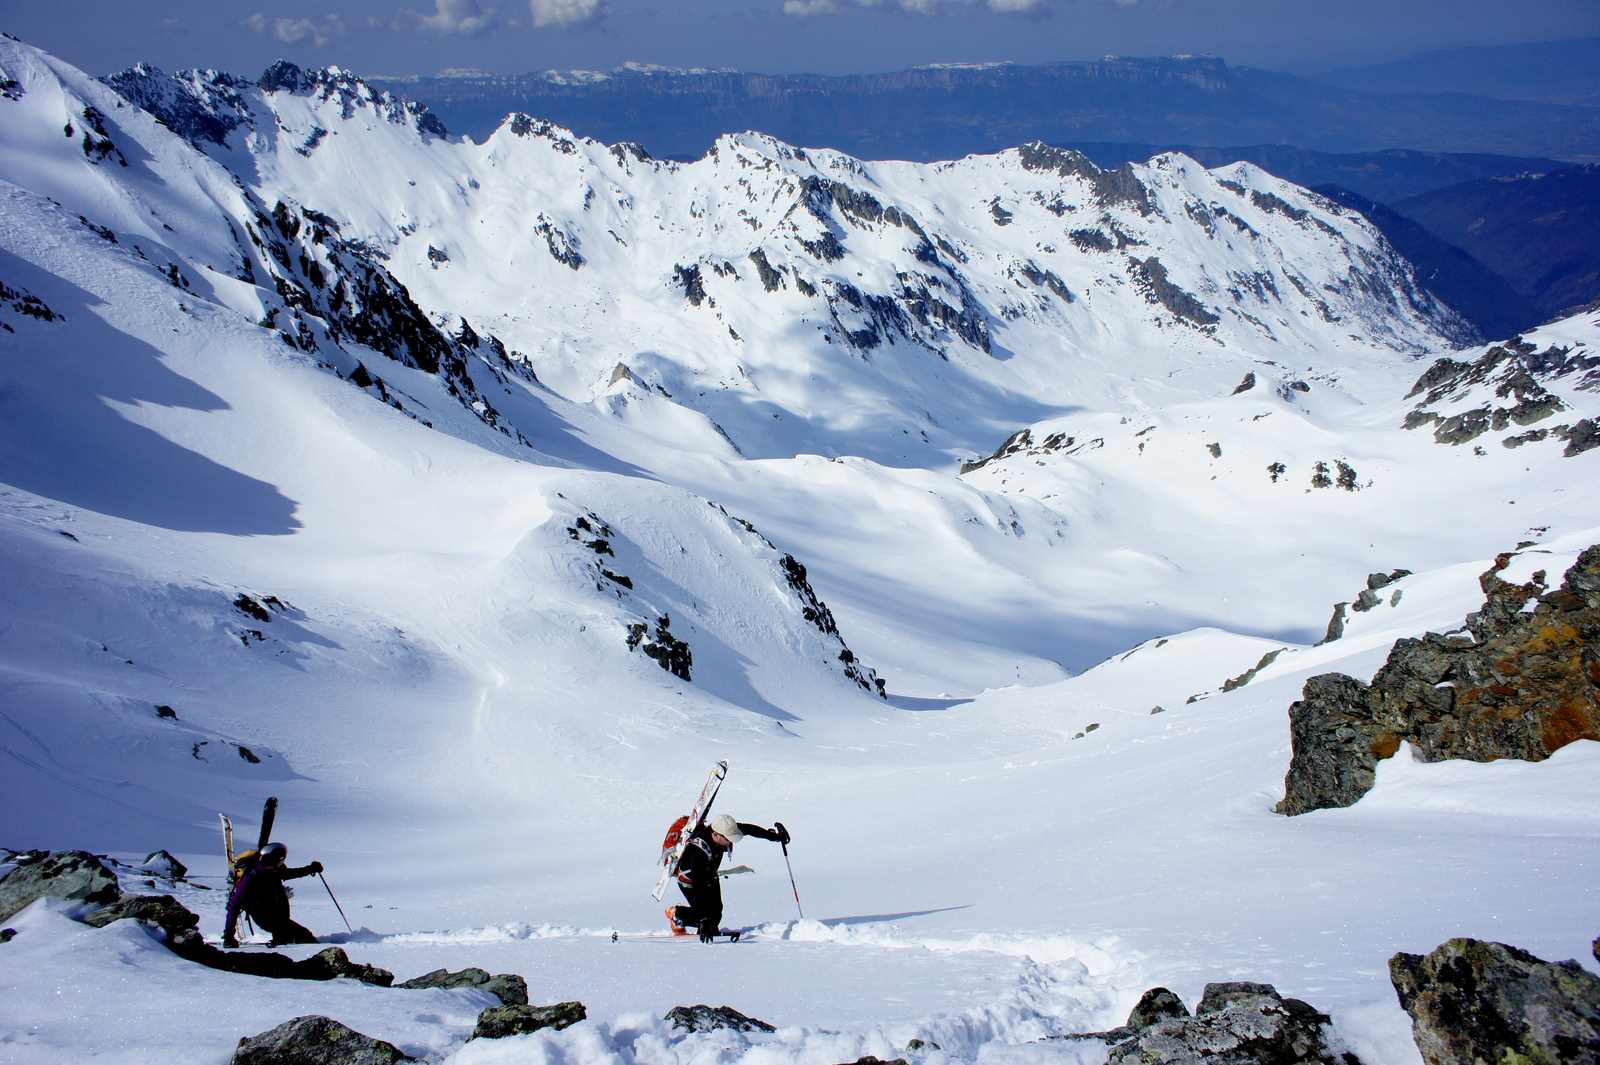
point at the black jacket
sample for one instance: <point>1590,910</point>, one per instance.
<point>703,857</point>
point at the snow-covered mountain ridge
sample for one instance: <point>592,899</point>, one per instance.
<point>732,281</point>
<point>484,494</point>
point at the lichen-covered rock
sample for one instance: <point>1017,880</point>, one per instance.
<point>315,1041</point>
<point>704,1018</point>
<point>1154,1006</point>
<point>74,875</point>
<point>509,988</point>
<point>1335,744</point>
<point>333,964</point>
<point>1522,682</point>
<point>165,912</point>
<point>1235,1024</point>
<point>1472,1001</point>
<point>497,1022</point>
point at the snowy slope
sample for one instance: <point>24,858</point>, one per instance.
<point>380,530</point>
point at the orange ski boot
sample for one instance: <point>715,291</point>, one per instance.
<point>677,926</point>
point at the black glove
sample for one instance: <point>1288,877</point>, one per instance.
<point>316,868</point>
<point>783,833</point>
<point>708,932</point>
<point>230,942</point>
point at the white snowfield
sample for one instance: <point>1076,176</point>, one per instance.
<point>1011,846</point>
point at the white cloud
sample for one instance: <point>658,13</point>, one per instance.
<point>804,8</point>
<point>466,18</point>
<point>295,30</point>
<point>563,12</point>
<point>1015,7</point>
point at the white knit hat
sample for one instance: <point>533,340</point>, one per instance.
<point>725,825</point>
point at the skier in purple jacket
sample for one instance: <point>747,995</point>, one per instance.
<point>260,893</point>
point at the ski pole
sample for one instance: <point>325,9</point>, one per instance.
<point>791,880</point>
<point>336,903</point>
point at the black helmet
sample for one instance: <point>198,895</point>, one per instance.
<point>274,852</point>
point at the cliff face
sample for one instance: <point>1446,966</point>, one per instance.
<point>1521,679</point>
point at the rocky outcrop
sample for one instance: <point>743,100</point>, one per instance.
<point>497,1022</point>
<point>509,988</point>
<point>1249,675</point>
<point>1508,383</point>
<point>315,1041</point>
<point>1520,680</point>
<point>1472,1001</point>
<point>814,610</point>
<point>1234,1024</point>
<point>1150,274</point>
<point>704,1018</point>
<point>74,875</point>
<point>176,921</point>
<point>332,963</point>
<point>669,652</point>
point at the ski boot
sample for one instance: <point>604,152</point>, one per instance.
<point>677,926</point>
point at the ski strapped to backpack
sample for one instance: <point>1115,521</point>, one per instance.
<point>680,831</point>
<point>238,864</point>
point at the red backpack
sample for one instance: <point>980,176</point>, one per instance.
<point>669,845</point>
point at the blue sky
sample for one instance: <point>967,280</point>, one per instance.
<point>824,36</point>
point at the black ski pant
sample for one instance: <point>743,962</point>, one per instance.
<point>285,931</point>
<point>705,904</point>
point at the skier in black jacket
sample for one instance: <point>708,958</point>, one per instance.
<point>260,893</point>
<point>697,872</point>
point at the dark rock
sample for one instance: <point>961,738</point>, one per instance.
<point>669,652</point>
<point>315,1041</point>
<point>167,712</point>
<point>165,912</point>
<point>1383,580</point>
<point>688,278</point>
<point>7,934</point>
<point>704,1018</point>
<point>1247,384</point>
<point>1366,601</point>
<point>1250,674</point>
<point>1220,996</point>
<point>814,610</point>
<point>1235,1024</point>
<point>1472,1001</point>
<point>922,1044</point>
<point>509,988</point>
<point>1151,277</point>
<point>1583,436</point>
<point>497,1022</point>
<point>1522,684</point>
<point>75,875</point>
<point>1337,745</point>
<point>1215,449</point>
<point>247,605</point>
<point>334,963</point>
<point>870,1060</point>
<point>1335,624</point>
<point>771,280</point>
<point>1156,1005</point>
